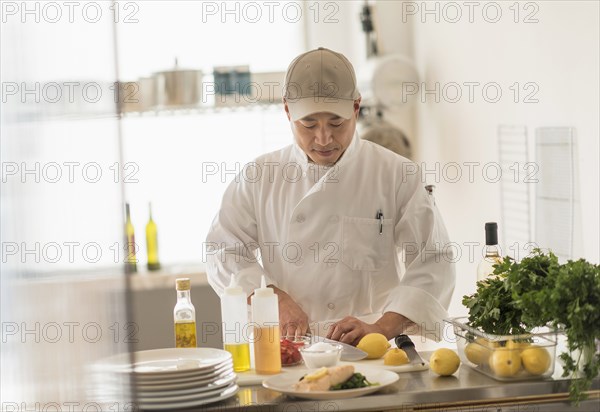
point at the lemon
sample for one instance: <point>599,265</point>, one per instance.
<point>444,362</point>
<point>395,357</point>
<point>479,351</point>
<point>319,373</point>
<point>505,362</point>
<point>536,360</point>
<point>511,344</point>
<point>375,344</point>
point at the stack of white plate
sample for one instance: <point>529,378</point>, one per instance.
<point>173,378</point>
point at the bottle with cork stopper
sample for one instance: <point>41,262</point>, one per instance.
<point>265,317</point>
<point>184,315</point>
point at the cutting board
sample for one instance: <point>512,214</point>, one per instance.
<point>250,377</point>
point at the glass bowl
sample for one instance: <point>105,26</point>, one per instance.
<point>506,357</point>
<point>316,358</point>
<point>290,349</point>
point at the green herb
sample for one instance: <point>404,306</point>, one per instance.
<point>357,380</point>
<point>573,303</point>
<point>491,307</point>
<point>532,282</point>
<point>539,291</point>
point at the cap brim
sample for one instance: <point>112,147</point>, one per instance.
<point>303,107</point>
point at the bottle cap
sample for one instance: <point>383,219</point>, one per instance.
<point>233,288</point>
<point>183,284</point>
<point>491,233</point>
<point>263,291</point>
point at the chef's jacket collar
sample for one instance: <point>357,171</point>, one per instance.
<point>302,158</point>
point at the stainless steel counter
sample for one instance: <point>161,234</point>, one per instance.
<point>468,390</point>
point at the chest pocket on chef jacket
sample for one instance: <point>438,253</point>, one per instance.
<point>363,248</point>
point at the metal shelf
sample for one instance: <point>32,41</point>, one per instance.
<point>199,110</point>
<point>25,117</point>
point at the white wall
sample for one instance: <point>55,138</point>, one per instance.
<point>559,53</point>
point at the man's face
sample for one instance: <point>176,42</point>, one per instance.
<point>324,136</point>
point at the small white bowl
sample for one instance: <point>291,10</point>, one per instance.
<point>319,358</point>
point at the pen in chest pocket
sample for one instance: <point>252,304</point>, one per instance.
<point>379,216</point>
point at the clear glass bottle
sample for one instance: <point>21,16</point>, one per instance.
<point>265,316</point>
<point>130,247</point>
<point>234,312</point>
<point>184,316</point>
<point>152,242</point>
<point>492,252</point>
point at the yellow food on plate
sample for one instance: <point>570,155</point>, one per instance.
<point>316,375</point>
<point>505,362</point>
<point>536,360</point>
<point>374,344</point>
<point>323,379</point>
<point>395,357</point>
<point>444,362</point>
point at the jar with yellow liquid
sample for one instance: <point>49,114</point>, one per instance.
<point>265,316</point>
<point>184,315</point>
<point>234,313</point>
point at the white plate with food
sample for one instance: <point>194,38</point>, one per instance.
<point>378,363</point>
<point>327,383</point>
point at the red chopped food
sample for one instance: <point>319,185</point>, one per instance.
<point>290,355</point>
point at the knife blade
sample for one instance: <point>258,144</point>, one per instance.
<point>349,352</point>
<point>403,342</point>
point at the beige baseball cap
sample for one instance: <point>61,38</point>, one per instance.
<point>320,80</point>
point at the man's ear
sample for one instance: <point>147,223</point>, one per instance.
<point>287,110</point>
<point>357,106</point>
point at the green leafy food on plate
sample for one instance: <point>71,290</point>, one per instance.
<point>357,380</point>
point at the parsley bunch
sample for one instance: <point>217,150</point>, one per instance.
<point>491,307</point>
<point>540,291</point>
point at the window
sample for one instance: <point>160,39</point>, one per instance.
<point>183,162</point>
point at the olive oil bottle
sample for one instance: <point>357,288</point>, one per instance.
<point>130,246</point>
<point>152,242</point>
<point>184,316</point>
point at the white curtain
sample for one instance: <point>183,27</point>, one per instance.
<point>63,288</point>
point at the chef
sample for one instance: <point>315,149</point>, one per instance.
<point>343,229</point>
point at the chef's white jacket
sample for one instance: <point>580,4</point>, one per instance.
<point>313,232</point>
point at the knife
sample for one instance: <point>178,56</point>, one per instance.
<point>403,342</point>
<point>349,352</point>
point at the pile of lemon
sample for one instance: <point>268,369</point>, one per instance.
<point>507,361</point>
<point>443,361</point>
<point>376,346</point>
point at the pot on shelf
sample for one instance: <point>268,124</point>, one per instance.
<point>178,87</point>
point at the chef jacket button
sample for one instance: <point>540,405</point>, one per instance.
<point>334,219</point>
<point>299,262</point>
<point>331,306</point>
<point>300,218</point>
<point>304,174</point>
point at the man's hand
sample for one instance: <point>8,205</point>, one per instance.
<point>292,319</point>
<point>351,330</point>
